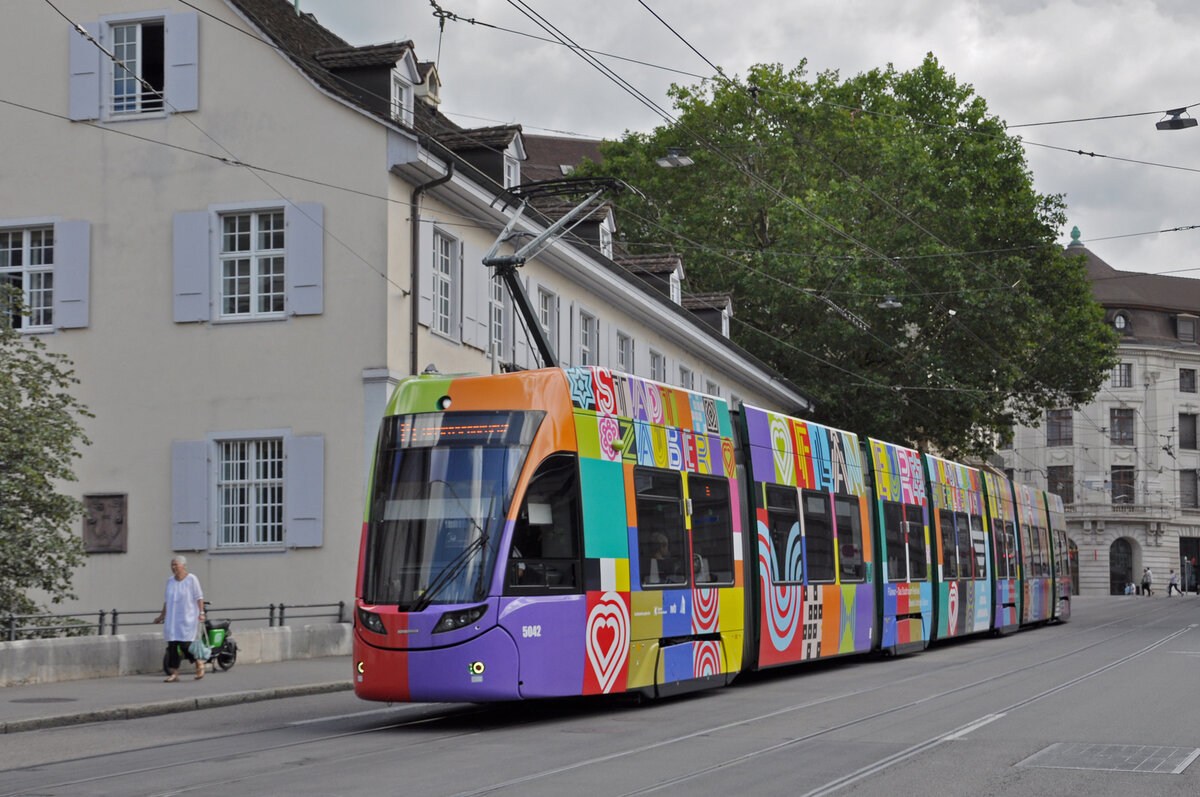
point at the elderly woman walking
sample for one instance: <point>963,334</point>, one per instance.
<point>183,608</point>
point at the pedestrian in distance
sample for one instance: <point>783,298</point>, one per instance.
<point>1173,584</point>
<point>183,609</point>
<point>1147,580</point>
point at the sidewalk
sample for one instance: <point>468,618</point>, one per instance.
<point>27,708</point>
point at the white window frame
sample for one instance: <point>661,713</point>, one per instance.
<point>626,353</point>
<point>144,103</point>
<point>676,288</point>
<point>687,377</point>
<point>264,509</point>
<point>403,98</point>
<point>1122,375</point>
<point>35,280</point>
<point>266,274</point>
<point>497,319</point>
<point>512,171</point>
<point>606,239</point>
<point>548,313</point>
<point>712,388</point>
<point>658,366</point>
<point>589,338</point>
<point>445,285</point>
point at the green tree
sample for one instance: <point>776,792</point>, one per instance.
<point>812,201</point>
<point>39,434</point>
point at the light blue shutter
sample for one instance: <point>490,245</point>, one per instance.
<point>518,323</point>
<point>72,261</point>
<point>189,495</point>
<point>84,60</point>
<point>182,45</point>
<point>191,264</point>
<point>425,273</point>
<point>304,269</point>
<point>476,291</point>
<point>304,490</point>
<point>562,323</point>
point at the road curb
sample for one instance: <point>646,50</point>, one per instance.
<point>161,707</point>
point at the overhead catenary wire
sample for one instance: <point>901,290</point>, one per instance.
<point>231,161</point>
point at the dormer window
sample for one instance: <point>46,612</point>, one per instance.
<point>512,171</point>
<point>606,241</point>
<point>725,323</point>
<point>676,289</point>
<point>1185,328</point>
<point>402,100</point>
<point>1121,323</point>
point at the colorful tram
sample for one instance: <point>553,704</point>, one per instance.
<point>576,531</point>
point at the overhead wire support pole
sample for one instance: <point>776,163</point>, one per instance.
<point>506,265</point>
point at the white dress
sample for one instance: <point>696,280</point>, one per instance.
<point>183,609</point>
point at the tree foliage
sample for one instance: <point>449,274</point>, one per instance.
<point>40,430</point>
<point>812,200</point>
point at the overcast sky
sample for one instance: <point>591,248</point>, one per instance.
<point>1031,60</point>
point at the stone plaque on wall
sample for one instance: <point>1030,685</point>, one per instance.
<point>104,523</point>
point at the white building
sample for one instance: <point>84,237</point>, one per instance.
<point>1126,465</point>
<point>243,234</point>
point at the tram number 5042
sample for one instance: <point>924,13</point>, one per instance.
<point>528,631</point>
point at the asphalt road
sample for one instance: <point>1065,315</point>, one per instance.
<point>1059,710</point>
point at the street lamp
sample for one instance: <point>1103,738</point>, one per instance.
<point>1177,120</point>
<point>889,303</point>
<point>675,158</point>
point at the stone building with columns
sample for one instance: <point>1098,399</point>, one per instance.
<point>1127,464</point>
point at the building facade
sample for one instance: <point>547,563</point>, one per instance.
<point>1126,465</point>
<point>243,231</point>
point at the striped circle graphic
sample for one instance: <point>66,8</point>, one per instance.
<point>707,659</point>
<point>783,603</point>
<point>705,605</point>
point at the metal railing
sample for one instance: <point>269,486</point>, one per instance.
<point>111,621</point>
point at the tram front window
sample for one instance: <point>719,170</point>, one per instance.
<point>443,482</point>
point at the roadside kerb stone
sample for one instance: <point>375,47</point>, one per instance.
<point>160,707</point>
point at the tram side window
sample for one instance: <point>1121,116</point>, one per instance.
<point>783,524</point>
<point>818,537</point>
<point>966,556</point>
<point>893,540</point>
<point>998,543</point>
<point>545,545</point>
<point>1035,552</point>
<point>712,531</point>
<point>1064,556</point>
<point>850,543</point>
<point>1043,553</point>
<point>979,545</point>
<point>662,541</point>
<point>1027,552</point>
<point>915,535</point>
<point>1010,543</point>
<point>949,551</point>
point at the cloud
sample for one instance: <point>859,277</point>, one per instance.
<point>1032,60</point>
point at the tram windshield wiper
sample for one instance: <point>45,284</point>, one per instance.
<point>455,566</point>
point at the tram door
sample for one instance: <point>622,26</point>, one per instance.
<point>685,570</point>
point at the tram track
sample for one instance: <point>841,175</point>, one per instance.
<point>431,718</point>
<point>791,743</point>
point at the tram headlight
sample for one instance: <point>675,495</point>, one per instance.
<point>459,618</point>
<point>371,621</point>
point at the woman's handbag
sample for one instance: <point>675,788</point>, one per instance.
<point>199,648</point>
